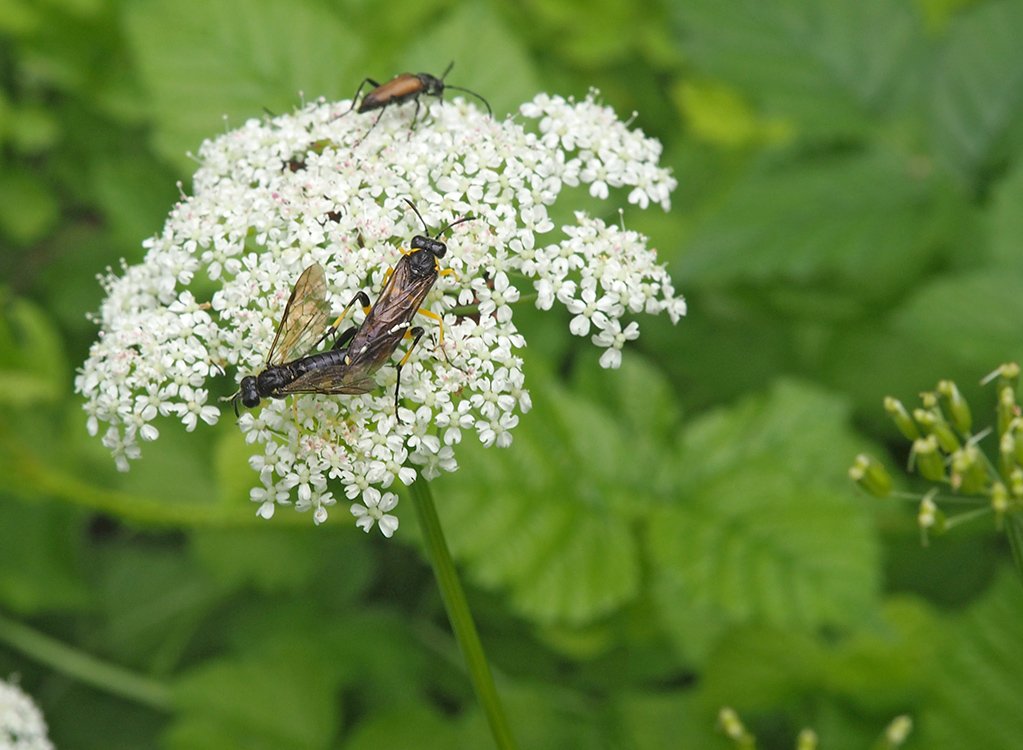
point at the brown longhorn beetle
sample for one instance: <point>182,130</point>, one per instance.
<point>403,88</point>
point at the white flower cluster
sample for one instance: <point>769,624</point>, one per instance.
<point>320,185</point>
<point>22,726</point>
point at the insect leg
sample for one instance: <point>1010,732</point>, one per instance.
<point>382,110</point>
<point>359,297</point>
<point>440,333</point>
<point>342,341</point>
<point>415,117</point>
<point>358,91</point>
<point>416,333</point>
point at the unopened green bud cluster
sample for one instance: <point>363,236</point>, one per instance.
<point>946,450</point>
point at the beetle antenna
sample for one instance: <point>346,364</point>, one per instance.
<point>469,91</point>
<point>454,224</point>
<point>448,69</point>
<point>413,205</point>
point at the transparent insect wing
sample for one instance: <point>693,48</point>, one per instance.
<point>338,379</point>
<point>305,317</point>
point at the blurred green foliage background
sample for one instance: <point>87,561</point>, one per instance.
<point>660,540</point>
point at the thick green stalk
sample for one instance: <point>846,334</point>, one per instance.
<point>458,613</point>
<point>83,667</point>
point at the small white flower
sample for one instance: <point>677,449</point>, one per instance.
<point>276,195</point>
<point>22,726</point>
<point>375,510</point>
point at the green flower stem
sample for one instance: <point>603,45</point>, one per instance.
<point>83,667</point>
<point>458,613</point>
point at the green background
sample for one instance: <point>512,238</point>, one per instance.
<point>659,541</point>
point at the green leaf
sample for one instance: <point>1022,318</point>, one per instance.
<point>279,699</point>
<point>856,226</point>
<point>413,726</point>
<point>1004,222</point>
<point>977,99</point>
<point>135,191</point>
<point>202,61</point>
<point>971,320</point>
<point>549,520</point>
<point>271,559</point>
<point>475,31</point>
<point>657,720</point>
<point>33,130</point>
<point>975,700</point>
<point>763,529</point>
<point>39,568</point>
<point>19,17</point>
<point>829,68</point>
<point>33,369</point>
<point>28,208</point>
<point>760,668</point>
<point>154,600</point>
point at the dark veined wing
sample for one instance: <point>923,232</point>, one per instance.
<point>388,320</point>
<point>305,317</point>
<point>333,379</point>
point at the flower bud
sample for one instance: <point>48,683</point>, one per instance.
<point>732,726</point>
<point>871,475</point>
<point>930,517</point>
<point>1008,448</point>
<point>969,473</point>
<point>958,409</point>
<point>928,461</point>
<point>933,423</point>
<point>807,740</point>
<point>1016,482</point>
<point>999,501</point>
<point>901,418</point>
<point>898,730</point>
<point>1007,408</point>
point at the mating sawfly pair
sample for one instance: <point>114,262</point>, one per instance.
<point>349,365</point>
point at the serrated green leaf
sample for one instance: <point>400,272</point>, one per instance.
<point>976,691</point>
<point>763,530</point>
<point>550,519</point>
<point>154,600</point>
<point>971,319</point>
<point>638,394</point>
<point>799,427</point>
<point>202,61</point>
<point>903,644</point>
<point>279,700</point>
<point>474,32</point>
<point>977,100</point>
<point>829,68</point>
<point>858,226</point>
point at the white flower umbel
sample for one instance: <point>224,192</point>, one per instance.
<point>22,726</point>
<point>319,185</point>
